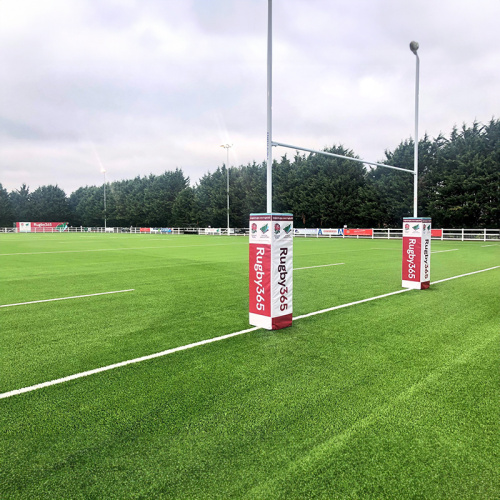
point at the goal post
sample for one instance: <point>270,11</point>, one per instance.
<point>266,299</point>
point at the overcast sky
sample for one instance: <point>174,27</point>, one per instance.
<point>144,86</point>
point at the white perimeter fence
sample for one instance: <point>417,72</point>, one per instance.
<point>373,233</point>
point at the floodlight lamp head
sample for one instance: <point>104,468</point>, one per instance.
<point>414,47</point>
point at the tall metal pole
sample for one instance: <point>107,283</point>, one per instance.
<point>104,172</point>
<point>227,167</point>
<point>414,48</point>
<point>226,147</point>
<point>269,106</point>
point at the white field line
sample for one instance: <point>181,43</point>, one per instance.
<point>109,249</point>
<point>122,363</point>
<point>66,298</point>
<point>35,387</point>
<point>484,246</point>
<point>462,275</point>
<point>437,251</point>
<point>321,311</point>
<point>75,251</point>
<point>386,295</point>
<point>324,265</point>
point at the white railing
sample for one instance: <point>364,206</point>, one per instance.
<point>369,233</point>
<point>397,233</point>
<point>471,234</point>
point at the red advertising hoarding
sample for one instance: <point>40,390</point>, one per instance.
<point>271,270</point>
<point>41,227</point>
<point>416,268</point>
<point>260,279</point>
<point>358,232</point>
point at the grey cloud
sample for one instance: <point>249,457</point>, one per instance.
<point>161,84</point>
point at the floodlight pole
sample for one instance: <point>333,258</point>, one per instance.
<point>269,106</point>
<point>104,172</point>
<point>414,48</point>
<point>226,147</point>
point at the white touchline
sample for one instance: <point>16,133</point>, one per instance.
<point>466,274</point>
<point>77,251</point>
<point>112,249</point>
<point>484,246</point>
<point>441,251</point>
<point>350,304</point>
<point>324,265</point>
<point>204,342</point>
<point>66,298</point>
<point>385,295</point>
<point>122,363</point>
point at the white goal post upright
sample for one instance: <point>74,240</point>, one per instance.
<point>271,239</point>
<point>414,47</point>
<point>269,165</point>
<point>269,218</point>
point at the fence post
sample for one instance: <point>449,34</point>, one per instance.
<point>463,230</point>
<point>484,234</point>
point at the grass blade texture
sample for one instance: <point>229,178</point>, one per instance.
<point>392,398</point>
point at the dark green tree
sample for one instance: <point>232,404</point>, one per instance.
<point>395,188</point>
<point>6,213</point>
<point>87,207</point>
<point>321,191</point>
<point>250,190</point>
<point>128,202</point>
<point>458,186</point>
<point>465,185</point>
<point>185,210</point>
<point>49,204</point>
<point>20,203</point>
<point>211,192</point>
<point>160,193</point>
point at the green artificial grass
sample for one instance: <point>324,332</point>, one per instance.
<point>394,398</point>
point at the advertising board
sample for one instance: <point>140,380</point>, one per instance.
<point>302,231</point>
<point>271,270</point>
<point>358,232</point>
<point>416,262</point>
<point>41,227</point>
<point>330,232</point>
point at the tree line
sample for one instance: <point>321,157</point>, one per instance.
<point>459,186</point>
